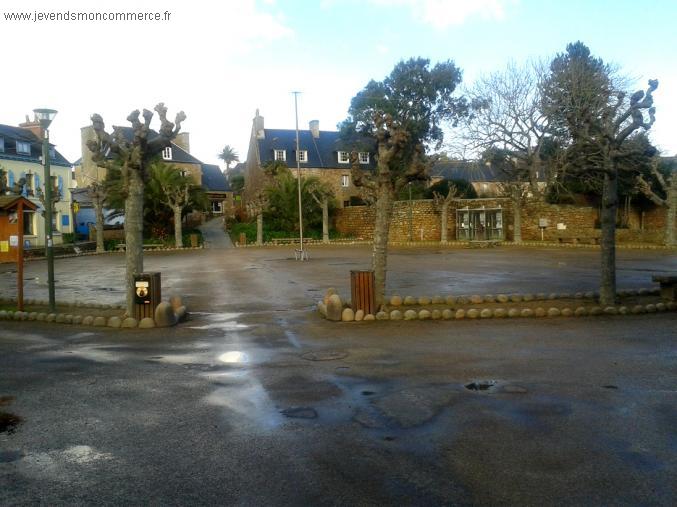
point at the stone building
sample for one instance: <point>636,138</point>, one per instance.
<point>208,176</point>
<point>321,153</point>
<point>21,159</point>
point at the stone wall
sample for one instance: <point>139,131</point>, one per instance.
<point>575,222</point>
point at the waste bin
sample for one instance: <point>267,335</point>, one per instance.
<point>362,292</point>
<point>147,294</point>
<point>193,240</point>
<point>243,239</point>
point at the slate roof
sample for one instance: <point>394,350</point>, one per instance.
<point>322,152</point>
<point>213,180</point>
<point>470,171</point>
<point>13,134</point>
<point>178,154</point>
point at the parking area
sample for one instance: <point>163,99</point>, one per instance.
<point>257,400</point>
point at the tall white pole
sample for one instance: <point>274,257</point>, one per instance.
<point>298,171</point>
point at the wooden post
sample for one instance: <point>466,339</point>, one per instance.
<point>20,259</point>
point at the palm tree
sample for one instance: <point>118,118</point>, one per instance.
<point>229,155</point>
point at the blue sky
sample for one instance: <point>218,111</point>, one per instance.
<point>221,61</point>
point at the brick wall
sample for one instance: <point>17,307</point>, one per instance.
<point>579,221</point>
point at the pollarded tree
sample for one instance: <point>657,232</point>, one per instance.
<point>597,122</point>
<point>401,114</point>
<point>132,156</point>
<point>177,191</point>
<point>442,201</point>
<point>661,188</point>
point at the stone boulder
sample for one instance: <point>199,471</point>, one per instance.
<point>146,323</point>
<point>348,315</point>
<point>334,307</point>
<point>164,315</point>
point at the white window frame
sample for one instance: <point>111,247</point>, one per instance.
<point>343,157</point>
<point>363,157</point>
<point>302,156</point>
<point>345,180</point>
<point>23,144</point>
<point>167,153</point>
<point>278,153</point>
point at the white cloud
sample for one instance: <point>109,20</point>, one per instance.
<point>442,14</point>
<point>189,62</point>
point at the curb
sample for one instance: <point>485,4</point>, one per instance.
<point>333,309</point>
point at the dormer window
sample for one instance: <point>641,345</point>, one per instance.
<point>52,153</point>
<point>302,156</point>
<point>167,153</point>
<point>2,144</point>
<point>364,157</point>
<point>23,148</point>
<point>281,155</point>
<point>343,157</point>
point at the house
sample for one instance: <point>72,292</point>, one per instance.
<point>217,188</point>
<point>485,179</point>
<point>322,153</point>
<point>21,161</point>
<point>208,176</point>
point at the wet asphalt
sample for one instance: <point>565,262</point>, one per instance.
<point>256,400</point>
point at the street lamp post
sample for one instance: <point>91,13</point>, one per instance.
<point>45,117</point>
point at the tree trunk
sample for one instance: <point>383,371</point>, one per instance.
<point>133,234</point>
<point>259,229</point>
<point>98,213</point>
<point>443,224</point>
<point>384,204</point>
<point>178,230</point>
<point>608,243</point>
<point>670,211</point>
<point>325,220</point>
<point>517,219</point>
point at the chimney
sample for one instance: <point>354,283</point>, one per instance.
<point>258,126</point>
<point>314,127</point>
<point>33,126</point>
<point>182,140</point>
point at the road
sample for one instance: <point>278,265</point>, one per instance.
<point>257,400</point>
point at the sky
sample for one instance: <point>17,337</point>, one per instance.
<point>221,61</point>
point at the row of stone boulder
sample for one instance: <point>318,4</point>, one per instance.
<point>397,300</point>
<point>333,308</point>
<point>166,314</point>
<point>348,315</point>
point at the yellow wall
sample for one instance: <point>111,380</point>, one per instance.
<point>62,207</point>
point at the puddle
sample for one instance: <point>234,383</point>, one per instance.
<point>223,321</point>
<point>610,386</point>
<point>83,454</point>
<point>9,422</point>
<point>480,385</point>
<point>300,413</point>
<point>234,357</point>
<point>10,456</point>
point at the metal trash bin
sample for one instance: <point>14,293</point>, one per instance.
<point>362,293</point>
<point>147,294</point>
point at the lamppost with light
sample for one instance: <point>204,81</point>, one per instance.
<point>45,117</point>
